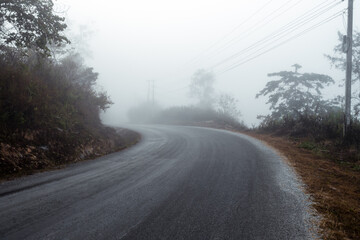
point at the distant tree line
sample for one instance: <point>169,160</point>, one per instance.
<point>210,108</point>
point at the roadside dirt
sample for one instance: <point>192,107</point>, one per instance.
<point>335,189</point>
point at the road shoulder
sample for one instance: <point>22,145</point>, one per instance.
<point>335,190</point>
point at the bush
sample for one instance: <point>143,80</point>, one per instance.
<point>197,116</point>
<point>328,126</point>
<point>36,92</point>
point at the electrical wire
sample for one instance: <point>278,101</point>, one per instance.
<point>255,27</point>
<point>283,42</point>
<point>250,29</point>
<point>344,21</point>
<point>298,35</point>
<point>285,30</point>
<point>229,33</point>
<point>233,30</point>
<point>301,20</point>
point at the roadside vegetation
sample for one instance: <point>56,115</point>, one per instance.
<point>303,124</point>
<point>211,109</point>
<point>49,101</point>
<point>50,106</point>
<point>308,129</point>
<point>298,110</point>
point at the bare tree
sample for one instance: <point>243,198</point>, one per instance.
<point>228,105</point>
<point>201,88</point>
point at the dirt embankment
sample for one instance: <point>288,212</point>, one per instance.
<point>333,186</point>
<point>24,153</point>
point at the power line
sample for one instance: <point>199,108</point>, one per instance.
<point>282,30</point>
<point>233,30</point>
<point>253,28</point>
<point>302,20</point>
<point>283,42</point>
<point>285,30</point>
<point>194,60</point>
<point>278,45</point>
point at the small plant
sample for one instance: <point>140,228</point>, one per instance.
<point>307,145</point>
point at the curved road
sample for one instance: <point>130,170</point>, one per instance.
<point>177,183</point>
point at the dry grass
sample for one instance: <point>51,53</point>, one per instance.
<point>335,189</point>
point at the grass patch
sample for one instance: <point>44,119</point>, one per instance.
<point>307,145</point>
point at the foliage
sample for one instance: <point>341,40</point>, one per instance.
<point>228,105</point>
<point>318,127</point>
<point>296,95</point>
<point>49,105</point>
<point>338,60</point>
<point>307,145</point>
<point>201,88</point>
<point>30,24</point>
<point>192,115</point>
<point>36,92</point>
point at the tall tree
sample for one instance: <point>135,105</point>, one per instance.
<point>296,95</point>
<point>30,24</point>
<point>202,88</point>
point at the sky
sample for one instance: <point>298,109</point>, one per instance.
<point>240,41</point>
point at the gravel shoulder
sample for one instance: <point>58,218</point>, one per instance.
<point>334,189</point>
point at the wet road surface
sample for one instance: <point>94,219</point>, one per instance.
<point>177,183</point>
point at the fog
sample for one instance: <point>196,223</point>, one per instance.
<point>132,42</point>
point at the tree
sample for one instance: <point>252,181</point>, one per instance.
<point>72,69</point>
<point>296,95</point>
<point>30,24</point>
<point>228,105</point>
<point>202,89</point>
<point>338,60</point>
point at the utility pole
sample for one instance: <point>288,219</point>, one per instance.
<point>347,120</point>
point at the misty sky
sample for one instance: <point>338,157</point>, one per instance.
<point>134,41</point>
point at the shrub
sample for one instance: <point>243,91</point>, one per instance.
<point>36,92</point>
<point>190,115</point>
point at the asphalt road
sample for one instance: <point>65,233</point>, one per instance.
<point>177,183</point>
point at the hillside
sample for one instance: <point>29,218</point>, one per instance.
<point>50,113</point>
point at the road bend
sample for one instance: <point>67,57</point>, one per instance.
<point>176,183</point>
